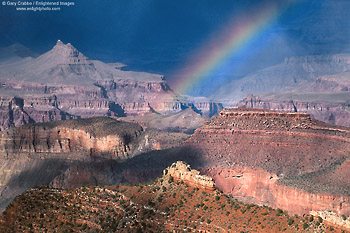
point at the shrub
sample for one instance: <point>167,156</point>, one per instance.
<point>319,219</point>
<point>311,219</point>
<point>279,212</point>
<point>305,225</point>
<point>290,221</point>
<point>217,198</point>
<point>343,217</point>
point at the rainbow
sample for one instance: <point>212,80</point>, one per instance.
<point>236,35</point>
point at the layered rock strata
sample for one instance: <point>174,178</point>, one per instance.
<point>282,159</point>
<point>332,108</point>
<point>71,153</point>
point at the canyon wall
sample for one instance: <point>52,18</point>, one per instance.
<point>281,159</point>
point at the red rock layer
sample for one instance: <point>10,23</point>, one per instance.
<point>271,146</point>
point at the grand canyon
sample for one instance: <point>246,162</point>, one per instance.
<point>186,117</point>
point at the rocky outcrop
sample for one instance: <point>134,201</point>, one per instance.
<point>181,171</point>
<point>281,159</point>
<point>333,219</point>
<point>328,107</point>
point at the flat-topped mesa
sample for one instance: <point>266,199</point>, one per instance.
<point>181,171</point>
<point>261,119</point>
<point>243,111</point>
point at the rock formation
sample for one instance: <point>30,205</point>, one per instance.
<point>282,159</point>
<point>181,171</point>
<point>65,84</point>
<point>334,219</point>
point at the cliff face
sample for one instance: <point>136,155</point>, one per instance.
<point>332,108</point>
<point>281,159</point>
<point>17,111</point>
<point>37,140</point>
<point>261,187</point>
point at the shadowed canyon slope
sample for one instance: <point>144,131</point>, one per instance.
<point>280,159</point>
<point>72,153</point>
<point>64,84</point>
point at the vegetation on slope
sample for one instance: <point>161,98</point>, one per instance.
<point>164,205</point>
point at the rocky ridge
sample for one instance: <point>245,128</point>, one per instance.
<point>181,171</point>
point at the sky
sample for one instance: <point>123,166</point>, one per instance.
<point>165,36</point>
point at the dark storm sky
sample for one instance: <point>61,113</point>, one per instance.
<point>158,35</point>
